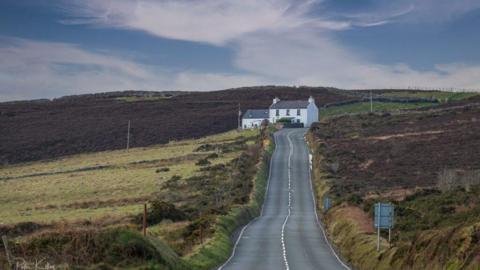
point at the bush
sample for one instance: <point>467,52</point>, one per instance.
<point>172,182</point>
<point>160,210</point>
<point>213,155</point>
<point>203,162</point>
<point>355,199</point>
<point>165,169</point>
<point>284,120</point>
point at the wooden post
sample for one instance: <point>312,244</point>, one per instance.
<point>371,102</point>
<point>239,117</point>
<point>389,235</point>
<point>128,135</point>
<point>7,251</point>
<point>145,219</point>
<point>378,226</point>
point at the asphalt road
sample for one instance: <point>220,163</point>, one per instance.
<point>286,235</point>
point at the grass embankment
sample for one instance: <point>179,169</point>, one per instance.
<point>364,107</point>
<point>373,158</point>
<point>200,192</point>
<point>441,96</point>
<point>433,230</point>
<point>220,247</point>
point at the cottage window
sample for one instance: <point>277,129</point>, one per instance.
<point>278,112</point>
<point>298,111</point>
<point>288,112</point>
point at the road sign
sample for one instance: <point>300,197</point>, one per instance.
<point>326,203</point>
<point>384,215</point>
<point>383,220</point>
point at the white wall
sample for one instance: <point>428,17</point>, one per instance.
<point>251,123</point>
<point>307,116</point>
<point>312,114</point>
<point>293,114</point>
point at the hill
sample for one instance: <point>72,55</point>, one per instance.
<point>44,129</point>
<point>423,161</point>
<point>86,210</point>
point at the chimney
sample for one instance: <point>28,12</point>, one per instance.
<point>275,100</point>
<point>311,100</point>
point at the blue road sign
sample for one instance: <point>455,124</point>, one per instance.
<point>384,215</point>
<point>326,203</point>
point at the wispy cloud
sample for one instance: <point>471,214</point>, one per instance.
<point>410,11</point>
<point>35,69</point>
<point>273,42</point>
<point>306,58</point>
<point>210,21</point>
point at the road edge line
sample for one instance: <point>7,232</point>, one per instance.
<point>310,161</point>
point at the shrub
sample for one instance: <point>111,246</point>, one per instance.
<point>165,169</point>
<point>203,162</point>
<point>160,210</point>
<point>355,199</point>
<point>284,120</point>
<point>213,155</point>
<point>172,182</point>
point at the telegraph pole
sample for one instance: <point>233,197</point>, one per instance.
<point>128,136</point>
<point>371,101</point>
<point>239,117</point>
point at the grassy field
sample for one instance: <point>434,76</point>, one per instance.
<point>442,96</point>
<point>364,107</point>
<point>89,186</point>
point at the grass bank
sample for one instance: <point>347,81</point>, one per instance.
<point>364,107</point>
<point>435,228</point>
<point>219,248</point>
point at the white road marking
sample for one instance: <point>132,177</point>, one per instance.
<point>284,248</point>
<point>261,212</point>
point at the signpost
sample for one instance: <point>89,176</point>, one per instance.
<point>326,203</point>
<point>384,213</point>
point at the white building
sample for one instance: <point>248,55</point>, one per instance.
<point>297,111</point>
<point>293,111</point>
<point>254,118</point>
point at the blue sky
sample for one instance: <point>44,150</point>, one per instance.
<point>62,47</point>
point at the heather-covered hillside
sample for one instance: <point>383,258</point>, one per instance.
<point>34,130</point>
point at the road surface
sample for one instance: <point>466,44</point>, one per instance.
<point>286,235</point>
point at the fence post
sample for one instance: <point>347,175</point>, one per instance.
<point>7,251</point>
<point>145,219</point>
<point>378,226</point>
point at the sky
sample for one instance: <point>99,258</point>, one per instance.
<point>52,48</point>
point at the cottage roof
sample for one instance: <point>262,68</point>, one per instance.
<point>290,104</point>
<point>256,114</point>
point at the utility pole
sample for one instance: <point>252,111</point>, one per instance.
<point>128,136</point>
<point>371,101</point>
<point>239,117</point>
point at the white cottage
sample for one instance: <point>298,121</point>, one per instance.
<point>254,118</point>
<point>294,111</point>
<point>297,111</point>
